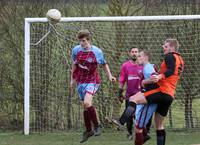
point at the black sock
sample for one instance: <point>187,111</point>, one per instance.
<point>122,119</point>
<point>148,126</point>
<point>161,137</point>
<point>128,113</point>
<point>129,126</point>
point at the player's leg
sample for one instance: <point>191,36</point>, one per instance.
<point>160,131</point>
<point>122,117</point>
<point>143,114</point>
<point>129,112</point>
<point>129,124</point>
<point>151,109</point>
<point>146,130</point>
<point>91,109</point>
<point>149,96</point>
<point>86,115</point>
<point>146,135</point>
<point>148,126</point>
<point>82,93</point>
<point>91,89</point>
<point>140,110</point>
<point>161,113</point>
<point>138,136</point>
<point>138,98</point>
<point>86,92</point>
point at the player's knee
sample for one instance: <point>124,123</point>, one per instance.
<point>159,121</point>
<point>130,110</point>
<point>138,98</point>
<point>86,104</point>
<point>132,99</point>
<point>138,130</point>
<point>159,126</point>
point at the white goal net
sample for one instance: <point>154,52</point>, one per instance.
<point>50,104</point>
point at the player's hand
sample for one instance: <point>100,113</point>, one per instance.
<point>112,79</point>
<point>121,99</point>
<point>120,95</point>
<point>156,78</point>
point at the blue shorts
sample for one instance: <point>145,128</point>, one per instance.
<point>143,114</point>
<point>84,88</point>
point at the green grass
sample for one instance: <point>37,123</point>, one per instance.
<point>173,138</point>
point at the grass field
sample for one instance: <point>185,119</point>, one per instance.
<point>173,138</point>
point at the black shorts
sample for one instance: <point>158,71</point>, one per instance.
<point>162,100</point>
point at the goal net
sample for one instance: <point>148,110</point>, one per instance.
<point>50,104</point>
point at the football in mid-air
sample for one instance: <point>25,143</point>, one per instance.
<point>53,15</point>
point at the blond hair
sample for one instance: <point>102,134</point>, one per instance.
<point>173,43</point>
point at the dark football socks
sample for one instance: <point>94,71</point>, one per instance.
<point>128,113</point>
<point>93,116</point>
<point>87,121</point>
<point>161,137</point>
<point>138,138</point>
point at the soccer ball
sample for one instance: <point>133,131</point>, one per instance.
<point>53,15</point>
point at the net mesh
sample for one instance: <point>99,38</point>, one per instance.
<point>56,107</point>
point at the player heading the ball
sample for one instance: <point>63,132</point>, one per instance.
<point>86,58</point>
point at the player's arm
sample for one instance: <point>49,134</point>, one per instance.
<point>170,62</point>
<point>122,81</point>
<point>72,70</point>
<point>147,82</point>
<point>101,60</point>
<point>73,67</point>
<point>108,73</point>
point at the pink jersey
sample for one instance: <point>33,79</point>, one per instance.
<point>132,74</point>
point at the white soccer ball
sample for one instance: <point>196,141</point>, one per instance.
<point>53,15</point>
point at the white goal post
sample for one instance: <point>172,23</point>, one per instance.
<point>27,44</point>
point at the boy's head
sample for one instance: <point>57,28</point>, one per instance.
<point>144,57</point>
<point>84,36</point>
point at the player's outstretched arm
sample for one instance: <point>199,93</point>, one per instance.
<point>107,70</point>
<point>72,72</point>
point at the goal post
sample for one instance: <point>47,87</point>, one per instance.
<point>36,63</point>
<point>26,76</point>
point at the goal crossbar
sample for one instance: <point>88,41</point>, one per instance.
<point>118,18</point>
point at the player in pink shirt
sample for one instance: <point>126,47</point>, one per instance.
<point>132,74</point>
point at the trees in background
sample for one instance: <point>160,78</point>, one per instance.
<point>12,14</point>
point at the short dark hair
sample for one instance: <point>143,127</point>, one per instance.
<point>84,33</point>
<point>133,48</point>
